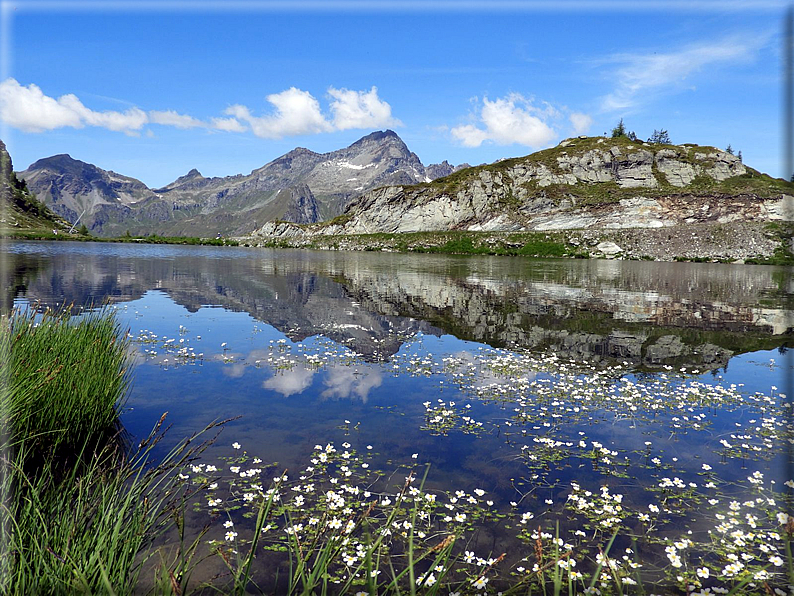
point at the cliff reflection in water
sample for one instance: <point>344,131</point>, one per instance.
<point>641,312</point>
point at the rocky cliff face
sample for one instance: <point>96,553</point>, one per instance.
<point>303,206</point>
<point>6,166</point>
<point>581,183</point>
<point>301,186</point>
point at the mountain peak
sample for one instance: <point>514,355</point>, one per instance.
<point>65,164</point>
<point>193,174</point>
<point>379,135</point>
<point>61,160</point>
<point>299,151</point>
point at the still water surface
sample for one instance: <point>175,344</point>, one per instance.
<point>521,378</point>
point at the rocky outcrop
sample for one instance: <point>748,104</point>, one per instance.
<point>629,170</point>
<point>439,170</point>
<point>6,167</point>
<point>302,206</point>
<point>19,207</point>
<point>582,183</point>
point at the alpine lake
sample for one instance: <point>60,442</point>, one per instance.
<point>617,423</point>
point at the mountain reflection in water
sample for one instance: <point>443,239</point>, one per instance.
<point>644,313</point>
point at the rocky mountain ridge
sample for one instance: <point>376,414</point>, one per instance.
<point>301,186</point>
<point>582,183</point>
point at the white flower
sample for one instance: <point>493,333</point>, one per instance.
<point>427,580</point>
<point>230,536</point>
<point>236,445</point>
<point>703,572</point>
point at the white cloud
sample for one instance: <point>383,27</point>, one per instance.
<point>297,113</point>
<point>509,120</point>
<point>30,110</point>
<point>172,118</point>
<point>469,135</point>
<point>581,122</point>
<point>228,125</point>
<point>128,122</point>
<point>645,75</point>
<point>360,109</point>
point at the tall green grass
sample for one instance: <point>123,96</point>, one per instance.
<point>79,515</point>
<point>66,381</point>
<point>90,530</point>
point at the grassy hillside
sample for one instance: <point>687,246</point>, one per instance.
<point>21,214</point>
<point>753,182</point>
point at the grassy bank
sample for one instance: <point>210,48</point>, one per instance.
<point>38,234</point>
<point>742,242</point>
<point>750,242</point>
<point>529,244</point>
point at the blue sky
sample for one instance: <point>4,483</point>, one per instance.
<point>152,90</point>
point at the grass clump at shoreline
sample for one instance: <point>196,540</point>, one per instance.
<point>67,380</point>
<point>78,512</point>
